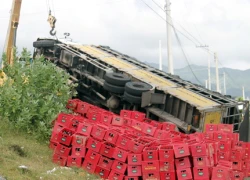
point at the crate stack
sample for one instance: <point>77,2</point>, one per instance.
<point>131,147</point>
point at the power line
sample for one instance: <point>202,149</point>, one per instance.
<point>178,24</point>
<point>167,21</point>
<point>185,56</point>
<point>178,40</point>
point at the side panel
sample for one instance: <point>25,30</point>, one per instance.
<point>212,118</point>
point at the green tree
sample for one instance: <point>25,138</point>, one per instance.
<point>34,95</point>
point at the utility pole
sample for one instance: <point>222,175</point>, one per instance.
<point>243,93</point>
<point>225,88</point>
<point>169,40</point>
<point>206,83</point>
<point>160,56</point>
<point>217,73</point>
<point>208,66</point>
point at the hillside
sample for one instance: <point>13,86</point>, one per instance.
<point>235,78</point>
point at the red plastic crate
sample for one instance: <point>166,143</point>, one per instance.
<point>82,108</point>
<point>94,117</point>
<point>115,176</point>
<point>236,155</point>
<point>150,166</point>
<point>84,129</point>
<point>181,150</point>
<point>59,159</point>
<point>224,146</point>
<point>106,118</point>
<point>237,165</point>
<point>105,163</point>
<point>150,153</point>
<point>139,116</point>
<point>126,113</point>
<point>184,174</point>
<point>117,121</point>
<point>131,178</point>
<point>161,135</point>
<point>149,129</point>
<point>72,104</point>
<point>156,124</point>
<point>74,161</point>
<point>89,166</point>
<point>94,144</point>
<point>209,135</point>
<point>167,166</point>
<point>53,145</point>
<point>136,146</point>
<point>237,175</point>
<point>224,164</point>
<point>62,150</point>
<point>123,142</point>
<point>64,119</point>
<point>127,121</point>
<point>65,136</point>
<point>166,153</point>
<point>103,173</point>
<point>168,175</point>
<point>201,173</point>
<point>137,125</point>
<point>57,128</point>
<point>219,173</point>
<point>220,136</point>
<point>79,140</point>
<point>111,136</point>
<point>120,154</point>
<point>223,156</point>
<point>211,127</point>
<point>76,120</point>
<point>119,166</point>
<point>92,156</point>
<point>134,170</point>
<point>107,150</point>
<point>199,150</point>
<point>228,128</point>
<point>98,132</point>
<point>166,126</point>
<point>201,162</point>
<point>134,159</point>
<point>151,175</point>
<point>78,151</point>
<point>182,163</point>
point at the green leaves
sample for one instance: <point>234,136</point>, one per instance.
<point>34,95</point>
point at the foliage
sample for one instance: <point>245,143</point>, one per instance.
<point>33,95</point>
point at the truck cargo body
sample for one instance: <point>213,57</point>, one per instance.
<point>172,99</point>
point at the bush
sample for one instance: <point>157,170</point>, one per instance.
<point>33,95</point>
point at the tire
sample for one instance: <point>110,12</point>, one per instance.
<point>132,99</point>
<point>117,79</point>
<point>112,88</point>
<point>137,88</point>
<point>43,43</point>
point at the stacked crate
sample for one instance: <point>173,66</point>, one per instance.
<point>130,147</point>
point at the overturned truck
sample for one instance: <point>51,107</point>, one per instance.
<point>116,81</point>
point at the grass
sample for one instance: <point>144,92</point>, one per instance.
<point>18,148</point>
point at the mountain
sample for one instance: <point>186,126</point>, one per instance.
<point>235,78</point>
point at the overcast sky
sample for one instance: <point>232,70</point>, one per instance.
<point>132,28</point>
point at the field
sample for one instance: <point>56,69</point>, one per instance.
<point>20,149</point>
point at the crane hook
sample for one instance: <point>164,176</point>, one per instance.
<point>52,33</point>
<point>52,22</point>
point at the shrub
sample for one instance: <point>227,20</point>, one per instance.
<point>33,95</point>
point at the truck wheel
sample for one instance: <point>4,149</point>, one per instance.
<point>116,79</point>
<point>43,43</point>
<point>132,99</point>
<point>137,88</point>
<point>112,88</point>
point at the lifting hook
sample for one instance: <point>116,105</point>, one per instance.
<point>52,22</point>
